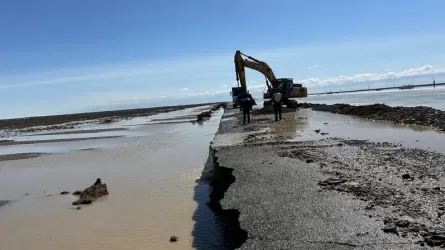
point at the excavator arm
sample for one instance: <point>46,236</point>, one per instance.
<point>251,63</point>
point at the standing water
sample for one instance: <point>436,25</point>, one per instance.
<point>152,184</point>
<point>428,96</point>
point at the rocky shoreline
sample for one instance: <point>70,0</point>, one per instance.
<point>420,115</point>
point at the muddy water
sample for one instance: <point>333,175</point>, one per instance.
<point>153,194</point>
<point>304,123</point>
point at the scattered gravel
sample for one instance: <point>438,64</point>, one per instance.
<point>405,183</point>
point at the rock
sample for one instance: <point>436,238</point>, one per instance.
<point>436,188</point>
<point>325,123</point>
<point>309,161</point>
<point>4,202</point>
<point>64,192</point>
<point>369,206</point>
<point>331,182</point>
<point>174,239</point>
<point>78,207</point>
<point>92,193</point>
<point>317,131</point>
<point>390,229</point>
<point>406,176</point>
<point>83,201</point>
<point>77,192</point>
<point>403,223</point>
<point>104,121</point>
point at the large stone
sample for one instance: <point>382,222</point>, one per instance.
<point>3,202</point>
<point>92,193</point>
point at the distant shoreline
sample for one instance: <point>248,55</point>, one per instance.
<point>108,116</point>
<point>410,86</point>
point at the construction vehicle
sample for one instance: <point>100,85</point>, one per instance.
<point>285,86</point>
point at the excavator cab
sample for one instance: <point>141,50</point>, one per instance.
<point>282,85</point>
<point>236,93</point>
<point>285,87</point>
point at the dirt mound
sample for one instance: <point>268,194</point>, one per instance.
<point>207,114</point>
<point>92,193</point>
<point>3,202</point>
<point>419,115</point>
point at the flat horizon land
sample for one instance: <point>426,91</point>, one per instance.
<point>25,122</point>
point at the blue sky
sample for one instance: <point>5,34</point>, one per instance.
<point>72,56</point>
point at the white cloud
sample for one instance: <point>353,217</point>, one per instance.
<point>105,98</point>
<point>313,65</point>
<point>223,86</point>
<point>341,79</point>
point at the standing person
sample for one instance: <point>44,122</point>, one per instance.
<point>277,102</point>
<point>246,105</point>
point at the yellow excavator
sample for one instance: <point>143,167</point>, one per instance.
<point>285,86</point>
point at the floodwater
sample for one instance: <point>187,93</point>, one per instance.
<point>151,173</point>
<point>301,126</point>
<point>426,96</point>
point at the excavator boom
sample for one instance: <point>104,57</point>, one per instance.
<point>285,86</point>
<point>254,64</point>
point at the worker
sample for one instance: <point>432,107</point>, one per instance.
<point>277,102</point>
<point>253,103</point>
<point>246,106</point>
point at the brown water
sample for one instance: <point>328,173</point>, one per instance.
<point>153,194</point>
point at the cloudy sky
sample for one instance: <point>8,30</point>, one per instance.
<point>73,56</point>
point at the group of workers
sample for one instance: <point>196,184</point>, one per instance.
<point>247,101</point>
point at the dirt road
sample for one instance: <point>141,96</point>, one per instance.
<point>288,191</point>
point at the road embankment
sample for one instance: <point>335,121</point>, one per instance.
<point>277,191</point>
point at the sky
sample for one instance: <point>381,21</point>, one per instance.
<point>76,56</point>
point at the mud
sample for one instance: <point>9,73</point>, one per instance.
<point>11,142</point>
<point>83,131</point>
<point>420,115</point>
<point>56,122</point>
<point>205,115</point>
<point>11,157</point>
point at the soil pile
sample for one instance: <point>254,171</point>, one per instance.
<point>419,115</point>
<point>207,114</point>
<point>92,193</point>
<point>3,202</point>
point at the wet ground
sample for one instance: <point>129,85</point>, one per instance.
<point>317,180</point>
<point>149,165</point>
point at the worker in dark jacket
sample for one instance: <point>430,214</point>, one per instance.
<point>246,106</point>
<point>277,100</point>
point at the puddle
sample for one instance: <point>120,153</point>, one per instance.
<point>379,131</point>
<point>301,125</point>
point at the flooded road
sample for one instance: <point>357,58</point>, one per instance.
<point>151,173</point>
<point>302,126</point>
